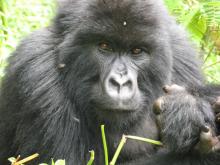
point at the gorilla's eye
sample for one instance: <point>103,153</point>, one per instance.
<point>105,46</point>
<point>136,51</point>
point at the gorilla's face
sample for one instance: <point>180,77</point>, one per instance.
<point>117,88</point>
<point>124,50</point>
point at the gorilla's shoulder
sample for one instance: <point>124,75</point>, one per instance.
<point>37,41</point>
<point>186,59</point>
<point>37,45</point>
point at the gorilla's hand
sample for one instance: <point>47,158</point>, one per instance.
<point>216,107</point>
<point>208,142</point>
<point>182,119</point>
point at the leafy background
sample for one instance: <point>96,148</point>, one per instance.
<point>18,18</point>
<point>201,18</point>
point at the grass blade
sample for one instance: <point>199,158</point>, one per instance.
<point>92,158</point>
<point>120,146</point>
<point>104,144</point>
<point>155,142</point>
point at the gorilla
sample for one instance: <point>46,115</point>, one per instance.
<point>106,62</point>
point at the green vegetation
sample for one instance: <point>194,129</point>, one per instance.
<point>105,148</point>
<point>58,162</point>
<point>92,158</point>
<point>19,18</point>
<point>17,161</point>
<point>121,145</point>
<point>201,18</point>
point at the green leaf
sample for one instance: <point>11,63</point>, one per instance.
<point>60,162</point>
<point>12,160</point>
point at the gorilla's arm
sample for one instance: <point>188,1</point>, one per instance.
<point>176,159</point>
<point>208,92</point>
<point>181,118</point>
<point>29,91</point>
<point>179,109</point>
<point>187,127</point>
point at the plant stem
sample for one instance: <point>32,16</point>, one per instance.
<point>206,67</point>
<point>120,146</point>
<point>155,142</point>
<point>104,144</point>
<point>92,158</point>
<point>25,160</point>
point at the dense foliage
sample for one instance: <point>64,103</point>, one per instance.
<point>202,19</point>
<point>17,19</point>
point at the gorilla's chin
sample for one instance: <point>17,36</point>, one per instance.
<point>108,104</point>
<point>119,109</point>
<point>113,114</point>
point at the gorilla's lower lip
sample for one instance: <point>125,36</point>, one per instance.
<point>114,106</point>
<point>120,110</point>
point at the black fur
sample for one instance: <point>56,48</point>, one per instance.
<point>57,112</point>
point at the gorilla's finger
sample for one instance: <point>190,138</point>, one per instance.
<point>216,148</point>
<point>157,107</point>
<point>166,88</point>
<point>204,145</point>
<point>217,118</point>
<point>61,66</point>
<point>173,89</point>
<point>207,142</point>
<point>216,105</point>
<point>205,129</point>
<point>205,134</point>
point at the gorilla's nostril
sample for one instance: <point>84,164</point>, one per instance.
<point>114,85</point>
<point>114,82</point>
<point>121,88</point>
<point>128,84</point>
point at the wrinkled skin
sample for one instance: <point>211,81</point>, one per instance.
<point>106,62</point>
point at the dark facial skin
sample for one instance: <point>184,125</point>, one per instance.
<point>119,78</point>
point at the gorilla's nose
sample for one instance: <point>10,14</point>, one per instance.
<point>119,84</point>
<point>120,87</point>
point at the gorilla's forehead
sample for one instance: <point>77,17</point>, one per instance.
<point>126,19</point>
<point>124,12</point>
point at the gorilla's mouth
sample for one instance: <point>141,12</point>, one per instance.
<point>116,107</point>
<point>104,103</point>
<point>120,110</point>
